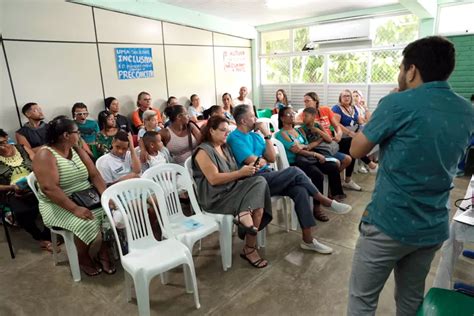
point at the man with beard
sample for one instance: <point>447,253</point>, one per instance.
<point>422,131</point>
<point>32,135</point>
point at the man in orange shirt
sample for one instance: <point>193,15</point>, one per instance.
<point>143,104</point>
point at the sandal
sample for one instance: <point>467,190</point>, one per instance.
<point>91,274</point>
<point>251,230</point>
<point>106,262</point>
<point>256,263</point>
<point>320,216</point>
<point>48,246</point>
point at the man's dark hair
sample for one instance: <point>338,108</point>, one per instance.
<point>27,107</point>
<point>433,56</point>
<point>108,101</point>
<point>78,105</point>
<point>149,137</point>
<point>3,133</point>
<point>239,112</point>
<point>122,136</point>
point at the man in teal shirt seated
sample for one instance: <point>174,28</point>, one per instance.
<point>422,131</point>
<point>88,128</point>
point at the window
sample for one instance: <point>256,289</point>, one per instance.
<point>385,66</point>
<point>348,68</point>
<point>275,70</point>
<point>275,42</point>
<point>307,69</point>
<point>395,30</point>
<point>300,38</point>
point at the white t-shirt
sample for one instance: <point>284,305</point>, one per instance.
<point>246,101</point>
<point>159,159</point>
<point>112,167</point>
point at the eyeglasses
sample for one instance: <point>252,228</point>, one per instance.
<point>81,114</point>
<point>78,132</point>
<point>290,114</point>
<point>346,96</point>
<point>3,142</point>
<point>224,130</point>
<point>147,99</point>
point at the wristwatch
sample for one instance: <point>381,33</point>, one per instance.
<point>268,137</point>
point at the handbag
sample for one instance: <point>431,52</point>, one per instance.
<point>88,198</point>
<point>327,149</point>
<point>306,160</point>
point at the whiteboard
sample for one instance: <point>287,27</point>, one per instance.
<point>124,28</point>
<point>55,75</point>
<point>190,70</point>
<point>8,119</point>
<point>230,79</point>
<point>126,91</point>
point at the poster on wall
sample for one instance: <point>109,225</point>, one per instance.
<point>235,60</point>
<point>134,63</point>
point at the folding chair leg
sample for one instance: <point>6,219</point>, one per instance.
<point>72,256</point>
<point>54,244</point>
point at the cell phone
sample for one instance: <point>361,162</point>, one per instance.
<point>256,162</point>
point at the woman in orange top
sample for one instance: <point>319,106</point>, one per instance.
<point>143,104</point>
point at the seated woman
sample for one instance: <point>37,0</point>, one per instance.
<point>222,188</point>
<point>61,170</point>
<point>228,107</point>
<point>106,135</point>
<point>150,123</point>
<point>281,101</point>
<point>181,137</point>
<point>359,103</point>
<point>348,117</point>
<point>112,106</point>
<point>195,109</point>
<point>143,104</point>
<point>15,166</point>
<point>301,154</point>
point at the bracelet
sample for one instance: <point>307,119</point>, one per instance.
<point>268,137</point>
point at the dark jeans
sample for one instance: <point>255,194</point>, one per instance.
<point>25,209</point>
<point>316,172</point>
<point>292,182</point>
<point>344,146</point>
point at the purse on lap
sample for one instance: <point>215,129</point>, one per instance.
<point>88,198</point>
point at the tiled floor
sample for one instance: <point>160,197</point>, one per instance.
<point>297,282</point>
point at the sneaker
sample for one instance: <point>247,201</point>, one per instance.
<point>340,208</point>
<point>316,246</point>
<point>374,171</point>
<point>363,170</point>
<point>351,185</point>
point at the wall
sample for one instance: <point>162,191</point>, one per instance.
<point>60,53</point>
<point>462,79</point>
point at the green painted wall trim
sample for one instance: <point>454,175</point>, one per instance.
<point>388,9</point>
<point>168,13</point>
<point>462,78</point>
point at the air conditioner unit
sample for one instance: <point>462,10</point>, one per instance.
<point>337,32</point>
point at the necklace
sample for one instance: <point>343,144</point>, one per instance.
<point>13,161</point>
<point>349,111</point>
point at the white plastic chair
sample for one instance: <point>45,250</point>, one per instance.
<point>68,237</point>
<point>146,257</point>
<point>268,123</point>
<point>274,120</point>
<point>168,176</point>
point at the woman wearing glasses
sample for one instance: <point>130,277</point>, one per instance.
<point>349,120</point>
<point>61,170</point>
<point>143,104</point>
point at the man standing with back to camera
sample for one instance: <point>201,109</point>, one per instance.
<point>422,130</point>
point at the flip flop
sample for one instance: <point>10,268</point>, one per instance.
<point>49,247</point>
<point>97,272</point>
<point>112,269</point>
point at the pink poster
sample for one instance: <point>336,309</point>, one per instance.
<point>235,60</point>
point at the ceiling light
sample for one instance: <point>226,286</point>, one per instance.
<point>283,4</point>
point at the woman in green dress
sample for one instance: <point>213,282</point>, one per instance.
<point>106,135</point>
<point>61,170</point>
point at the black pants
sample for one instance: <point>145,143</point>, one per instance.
<point>316,171</point>
<point>25,209</point>
<point>344,147</point>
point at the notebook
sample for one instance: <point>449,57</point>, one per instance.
<point>466,217</point>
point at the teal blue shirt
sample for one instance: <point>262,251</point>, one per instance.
<point>288,144</point>
<point>89,130</point>
<point>422,134</point>
<point>245,145</point>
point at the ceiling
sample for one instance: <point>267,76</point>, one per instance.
<point>256,12</point>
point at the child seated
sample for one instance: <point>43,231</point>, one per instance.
<point>327,147</point>
<point>157,152</point>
